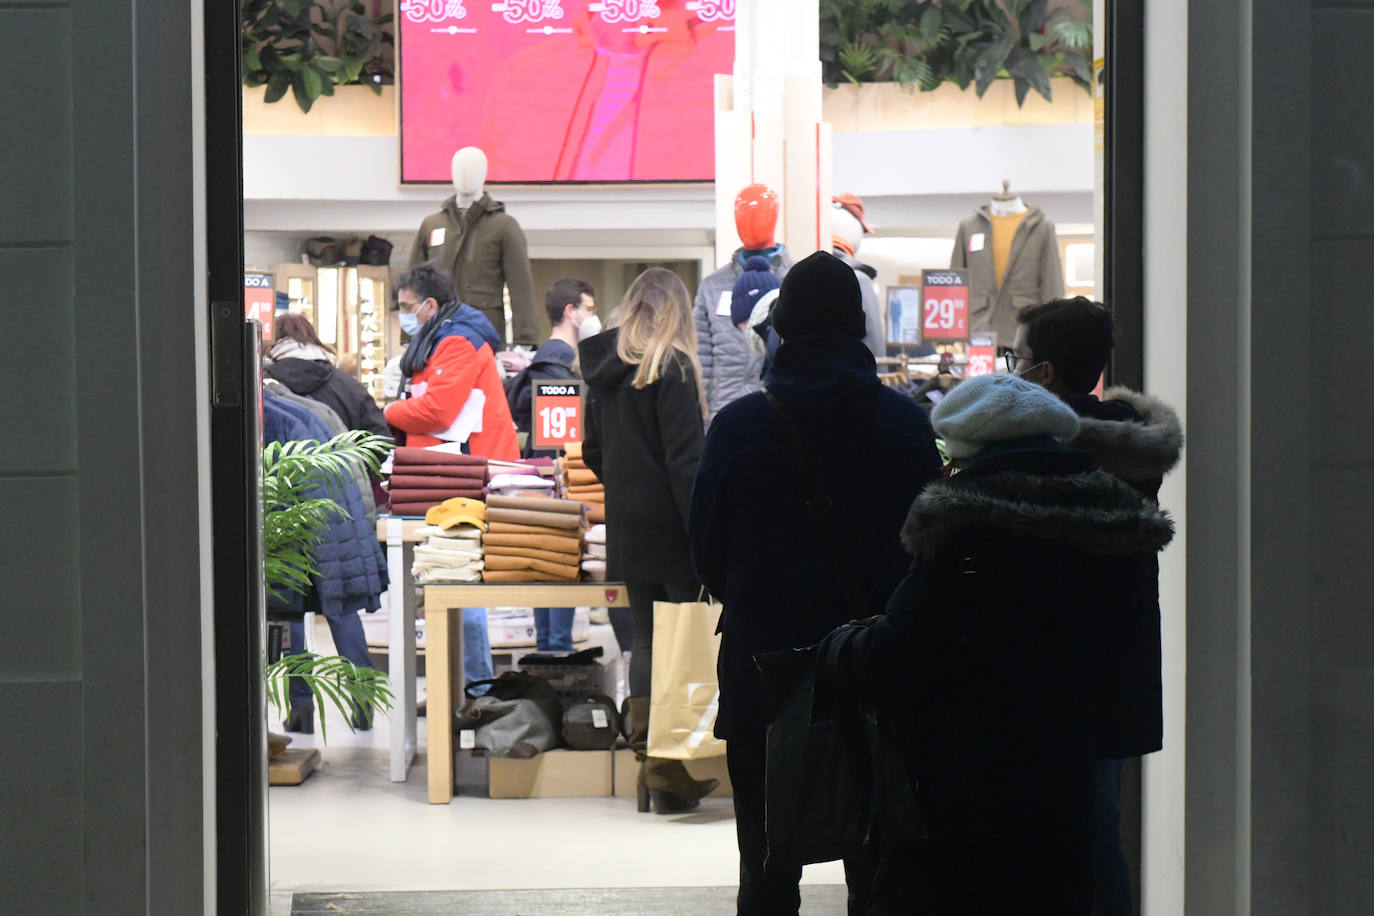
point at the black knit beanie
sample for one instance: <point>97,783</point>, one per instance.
<point>820,294</point>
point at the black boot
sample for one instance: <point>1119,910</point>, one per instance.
<point>300,719</point>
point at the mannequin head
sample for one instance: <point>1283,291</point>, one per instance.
<point>469,174</point>
<point>847,224</point>
<point>756,216</point>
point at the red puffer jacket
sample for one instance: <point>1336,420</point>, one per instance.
<point>444,384</point>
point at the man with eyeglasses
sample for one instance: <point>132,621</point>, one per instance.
<point>1064,345</point>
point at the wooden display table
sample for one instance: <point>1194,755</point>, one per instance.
<point>444,644</point>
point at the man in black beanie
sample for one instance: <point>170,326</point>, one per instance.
<point>756,546</point>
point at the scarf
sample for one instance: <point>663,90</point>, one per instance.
<point>286,348</point>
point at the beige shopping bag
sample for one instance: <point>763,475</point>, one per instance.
<point>685,694</point>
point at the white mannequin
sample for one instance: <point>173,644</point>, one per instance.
<point>846,225</point>
<point>1007,203</point>
<point>469,175</point>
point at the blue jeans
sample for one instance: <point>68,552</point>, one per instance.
<point>476,647</point>
<point>1112,894</point>
<point>553,627</point>
<point>349,641</point>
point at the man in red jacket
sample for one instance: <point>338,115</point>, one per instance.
<point>452,390</point>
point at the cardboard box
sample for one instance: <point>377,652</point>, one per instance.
<point>627,772</point>
<point>553,774</point>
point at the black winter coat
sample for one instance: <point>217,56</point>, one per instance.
<point>644,444</point>
<point>318,380</point>
<point>997,654</point>
<point>753,543</point>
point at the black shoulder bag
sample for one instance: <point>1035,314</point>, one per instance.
<point>835,785</point>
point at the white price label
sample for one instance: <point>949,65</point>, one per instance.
<point>467,739</point>
<point>599,719</point>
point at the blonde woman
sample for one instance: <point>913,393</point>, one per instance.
<point>645,413</point>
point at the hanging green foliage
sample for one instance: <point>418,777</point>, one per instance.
<point>923,43</point>
<point>308,47</point>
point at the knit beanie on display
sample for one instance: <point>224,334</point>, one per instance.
<point>756,280</point>
<point>991,408</point>
<point>820,294</point>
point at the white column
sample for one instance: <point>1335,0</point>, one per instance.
<point>768,123</point>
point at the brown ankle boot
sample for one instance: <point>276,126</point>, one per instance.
<point>664,782</point>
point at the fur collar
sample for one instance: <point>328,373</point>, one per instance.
<point>1093,512</point>
<point>1134,450</point>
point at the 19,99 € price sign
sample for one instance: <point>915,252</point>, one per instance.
<point>556,413</point>
<point>944,305</point>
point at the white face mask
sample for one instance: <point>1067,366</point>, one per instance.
<point>590,327</point>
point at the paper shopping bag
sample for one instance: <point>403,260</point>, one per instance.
<point>685,693</point>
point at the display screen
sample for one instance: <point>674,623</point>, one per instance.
<point>563,90</point>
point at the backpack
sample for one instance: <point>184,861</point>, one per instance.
<point>591,724</point>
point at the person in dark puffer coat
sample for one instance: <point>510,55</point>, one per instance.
<point>757,549</point>
<point>996,653</point>
<point>301,361</point>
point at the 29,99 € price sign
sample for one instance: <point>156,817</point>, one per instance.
<point>944,305</point>
<point>556,413</point>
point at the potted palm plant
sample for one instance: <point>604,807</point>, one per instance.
<point>297,480</point>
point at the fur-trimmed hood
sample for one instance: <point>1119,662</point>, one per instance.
<point>1092,511</point>
<point>1133,449</point>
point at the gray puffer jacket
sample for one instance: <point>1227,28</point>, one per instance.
<point>730,369</point>
<point>874,334</point>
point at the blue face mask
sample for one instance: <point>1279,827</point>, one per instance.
<point>410,323</point>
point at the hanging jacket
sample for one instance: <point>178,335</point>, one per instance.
<point>352,571</point>
<point>729,368</point>
<point>1033,275</point>
<point>643,445</point>
<point>463,358</point>
<point>485,252</point>
<point>345,395</point>
<point>754,545</point>
<point>875,337</point>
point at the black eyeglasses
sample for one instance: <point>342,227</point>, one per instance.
<point>1010,359</point>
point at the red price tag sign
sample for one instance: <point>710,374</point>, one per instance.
<point>982,354</point>
<point>260,300</point>
<point>556,413</point>
<point>944,305</point>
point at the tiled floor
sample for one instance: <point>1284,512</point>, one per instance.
<point>348,828</point>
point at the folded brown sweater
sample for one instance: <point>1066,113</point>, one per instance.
<point>532,541</point>
<point>520,575</point>
<point>579,478</point>
<point>414,495</point>
<point>446,471</point>
<point>416,508</point>
<point>534,504</point>
<point>511,528</point>
<point>549,555</point>
<point>562,570</point>
<point>547,519</point>
<point>433,482</point>
<point>407,455</point>
<point>574,492</point>
<point>596,515</point>
<point>587,499</point>
<point>573,450</point>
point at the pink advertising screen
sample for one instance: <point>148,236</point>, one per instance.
<point>563,90</point>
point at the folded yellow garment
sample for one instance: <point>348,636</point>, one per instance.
<point>565,570</point>
<point>573,450</point>
<point>521,575</point>
<point>533,542</point>
<point>596,515</point>
<point>577,477</point>
<point>598,499</point>
<point>588,490</point>
<point>533,504</point>
<point>549,555</point>
<point>547,519</point>
<point>513,528</point>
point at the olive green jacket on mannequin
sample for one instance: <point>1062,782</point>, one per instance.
<point>484,250</point>
<point>1033,275</point>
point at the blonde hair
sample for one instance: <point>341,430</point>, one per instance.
<point>655,319</point>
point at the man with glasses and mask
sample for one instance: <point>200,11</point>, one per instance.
<point>1064,345</point>
<point>571,307</point>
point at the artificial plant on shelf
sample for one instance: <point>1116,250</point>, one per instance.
<point>310,46</point>
<point>924,43</point>
<point>297,478</point>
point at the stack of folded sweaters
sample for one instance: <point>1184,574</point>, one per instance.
<point>594,556</point>
<point>512,483</point>
<point>422,478</point>
<point>532,539</point>
<point>581,484</point>
<point>452,550</point>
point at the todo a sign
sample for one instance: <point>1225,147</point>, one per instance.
<point>556,413</point>
<point>259,300</point>
<point>944,305</point>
